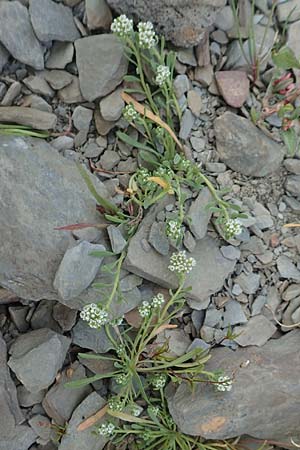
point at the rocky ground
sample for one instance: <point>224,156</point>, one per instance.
<point>61,69</point>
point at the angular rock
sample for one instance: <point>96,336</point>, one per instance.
<point>233,86</point>
<point>50,193</point>
<point>57,25</point>
<point>158,238</point>
<point>37,356</point>
<point>82,117</point>
<point>31,117</point>
<point>22,439</point>
<point>77,270</point>
<point>111,107</point>
<point>181,21</point>
<point>289,11</point>
<point>98,14</point>
<point>259,383</point>
<point>37,102</point>
<point>293,165</point>
<point>234,314</point>
<point>101,64</point>
<point>73,439</point>
<point>42,427</point>
<point>187,122</point>
<point>248,282</point>
<point>117,241</point>
<point>244,148</point>
<point>293,36</point>
<point>16,34</point>
<point>256,332</point>
<point>287,268</point>
<point>87,337</point>
<point>60,401</point>
<point>199,214</point>
<point>60,55</point>
<point>71,93</point>
<point>58,79</point>
<point>27,398</point>
<point>194,100</point>
<point>205,279</point>
<point>38,85</point>
<point>64,316</point>
<point>292,185</point>
<point>4,55</point>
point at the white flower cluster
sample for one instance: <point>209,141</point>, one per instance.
<point>180,263</point>
<point>117,322</point>
<point>159,381</point>
<point>106,429</point>
<point>147,36</point>
<point>154,410</point>
<point>162,75</point>
<point>174,230</point>
<point>115,404</point>
<point>122,26</point>
<point>122,379</point>
<point>145,309</point>
<point>129,113</point>
<point>163,171</point>
<point>224,383</point>
<point>158,301</point>
<point>121,350</point>
<point>95,315</point>
<point>232,227</point>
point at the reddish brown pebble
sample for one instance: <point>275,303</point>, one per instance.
<point>274,240</point>
<point>233,86</point>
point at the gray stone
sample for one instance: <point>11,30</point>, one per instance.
<point>101,64</point>
<point>38,85</point>
<point>256,332</point>
<point>205,279</point>
<point>31,117</point>
<point>194,100</point>
<point>117,241</point>
<point>37,102</point>
<point>82,117</point>
<point>18,316</point>
<point>230,252</point>
<point>204,75</point>
<point>27,398</point>
<point>181,85</point>
<point>258,304</point>
<point>37,356</point>
<point>234,86</point>
<point>181,21</point>
<point>58,79</point>
<point>215,167</point>
<point>287,269</point>
<point>198,343</point>
<point>77,269</point>
<point>31,249</point>
<point>292,291</point>
<point>12,93</point>
<point>291,314</point>
<point>42,317</point>
<point>4,55</point>
<point>64,316</point>
<point>22,439</point>
<point>234,314</point>
<point>61,54</point>
<point>292,185</point>
<point>288,11</point>
<point>73,439</point>
<point>198,143</point>
<point>292,165</point>
<point>225,19</point>
<point>186,56</point>
<point>248,282</point>
<point>16,34</point>
<point>189,241</point>
<point>60,401</point>
<point>71,93</point>
<point>158,239</point>
<point>87,337</point>
<point>63,143</point>
<point>178,341</point>
<point>111,107</point>
<point>41,426</point>
<point>187,122</point>
<point>259,383</point>
<point>293,40</point>
<point>263,217</point>
<point>98,14</point>
<point>244,148</point>
<point>109,159</point>
<point>213,317</point>
<point>57,25</point>
<point>199,213</point>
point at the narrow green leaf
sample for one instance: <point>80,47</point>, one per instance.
<point>285,59</point>
<point>149,158</point>
<point>290,139</point>
<point>134,143</point>
<point>113,219</point>
<point>131,78</point>
<point>101,253</point>
<point>89,380</point>
<point>97,357</point>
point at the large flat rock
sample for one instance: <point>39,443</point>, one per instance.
<point>39,190</point>
<point>264,401</point>
<point>181,21</point>
<point>205,279</point>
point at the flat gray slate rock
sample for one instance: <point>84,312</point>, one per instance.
<point>52,22</point>
<point>244,148</point>
<point>40,190</point>
<point>181,21</point>
<point>16,34</point>
<point>206,278</point>
<point>101,64</point>
<point>264,401</point>
<point>37,356</point>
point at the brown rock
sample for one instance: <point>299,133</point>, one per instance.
<point>233,86</point>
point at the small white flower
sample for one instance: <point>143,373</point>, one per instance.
<point>232,227</point>
<point>158,301</point>
<point>174,229</point>
<point>180,263</point>
<point>106,429</point>
<point>224,383</point>
<point>120,350</point>
<point>130,114</point>
<point>122,26</point>
<point>117,322</point>
<point>115,404</point>
<point>122,379</point>
<point>154,410</point>
<point>162,75</point>
<point>159,381</point>
<point>145,309</point>
<point>147,36</point>
<point>95,315</point>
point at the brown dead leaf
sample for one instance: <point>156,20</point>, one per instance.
<point>90,421</point>
<point>149,114</point>
<point>213,425</point>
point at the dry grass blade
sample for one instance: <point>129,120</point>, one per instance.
<point>163,328</point>
<point>291,225</point>
<point>90,421</point>
<point>149,114</point>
